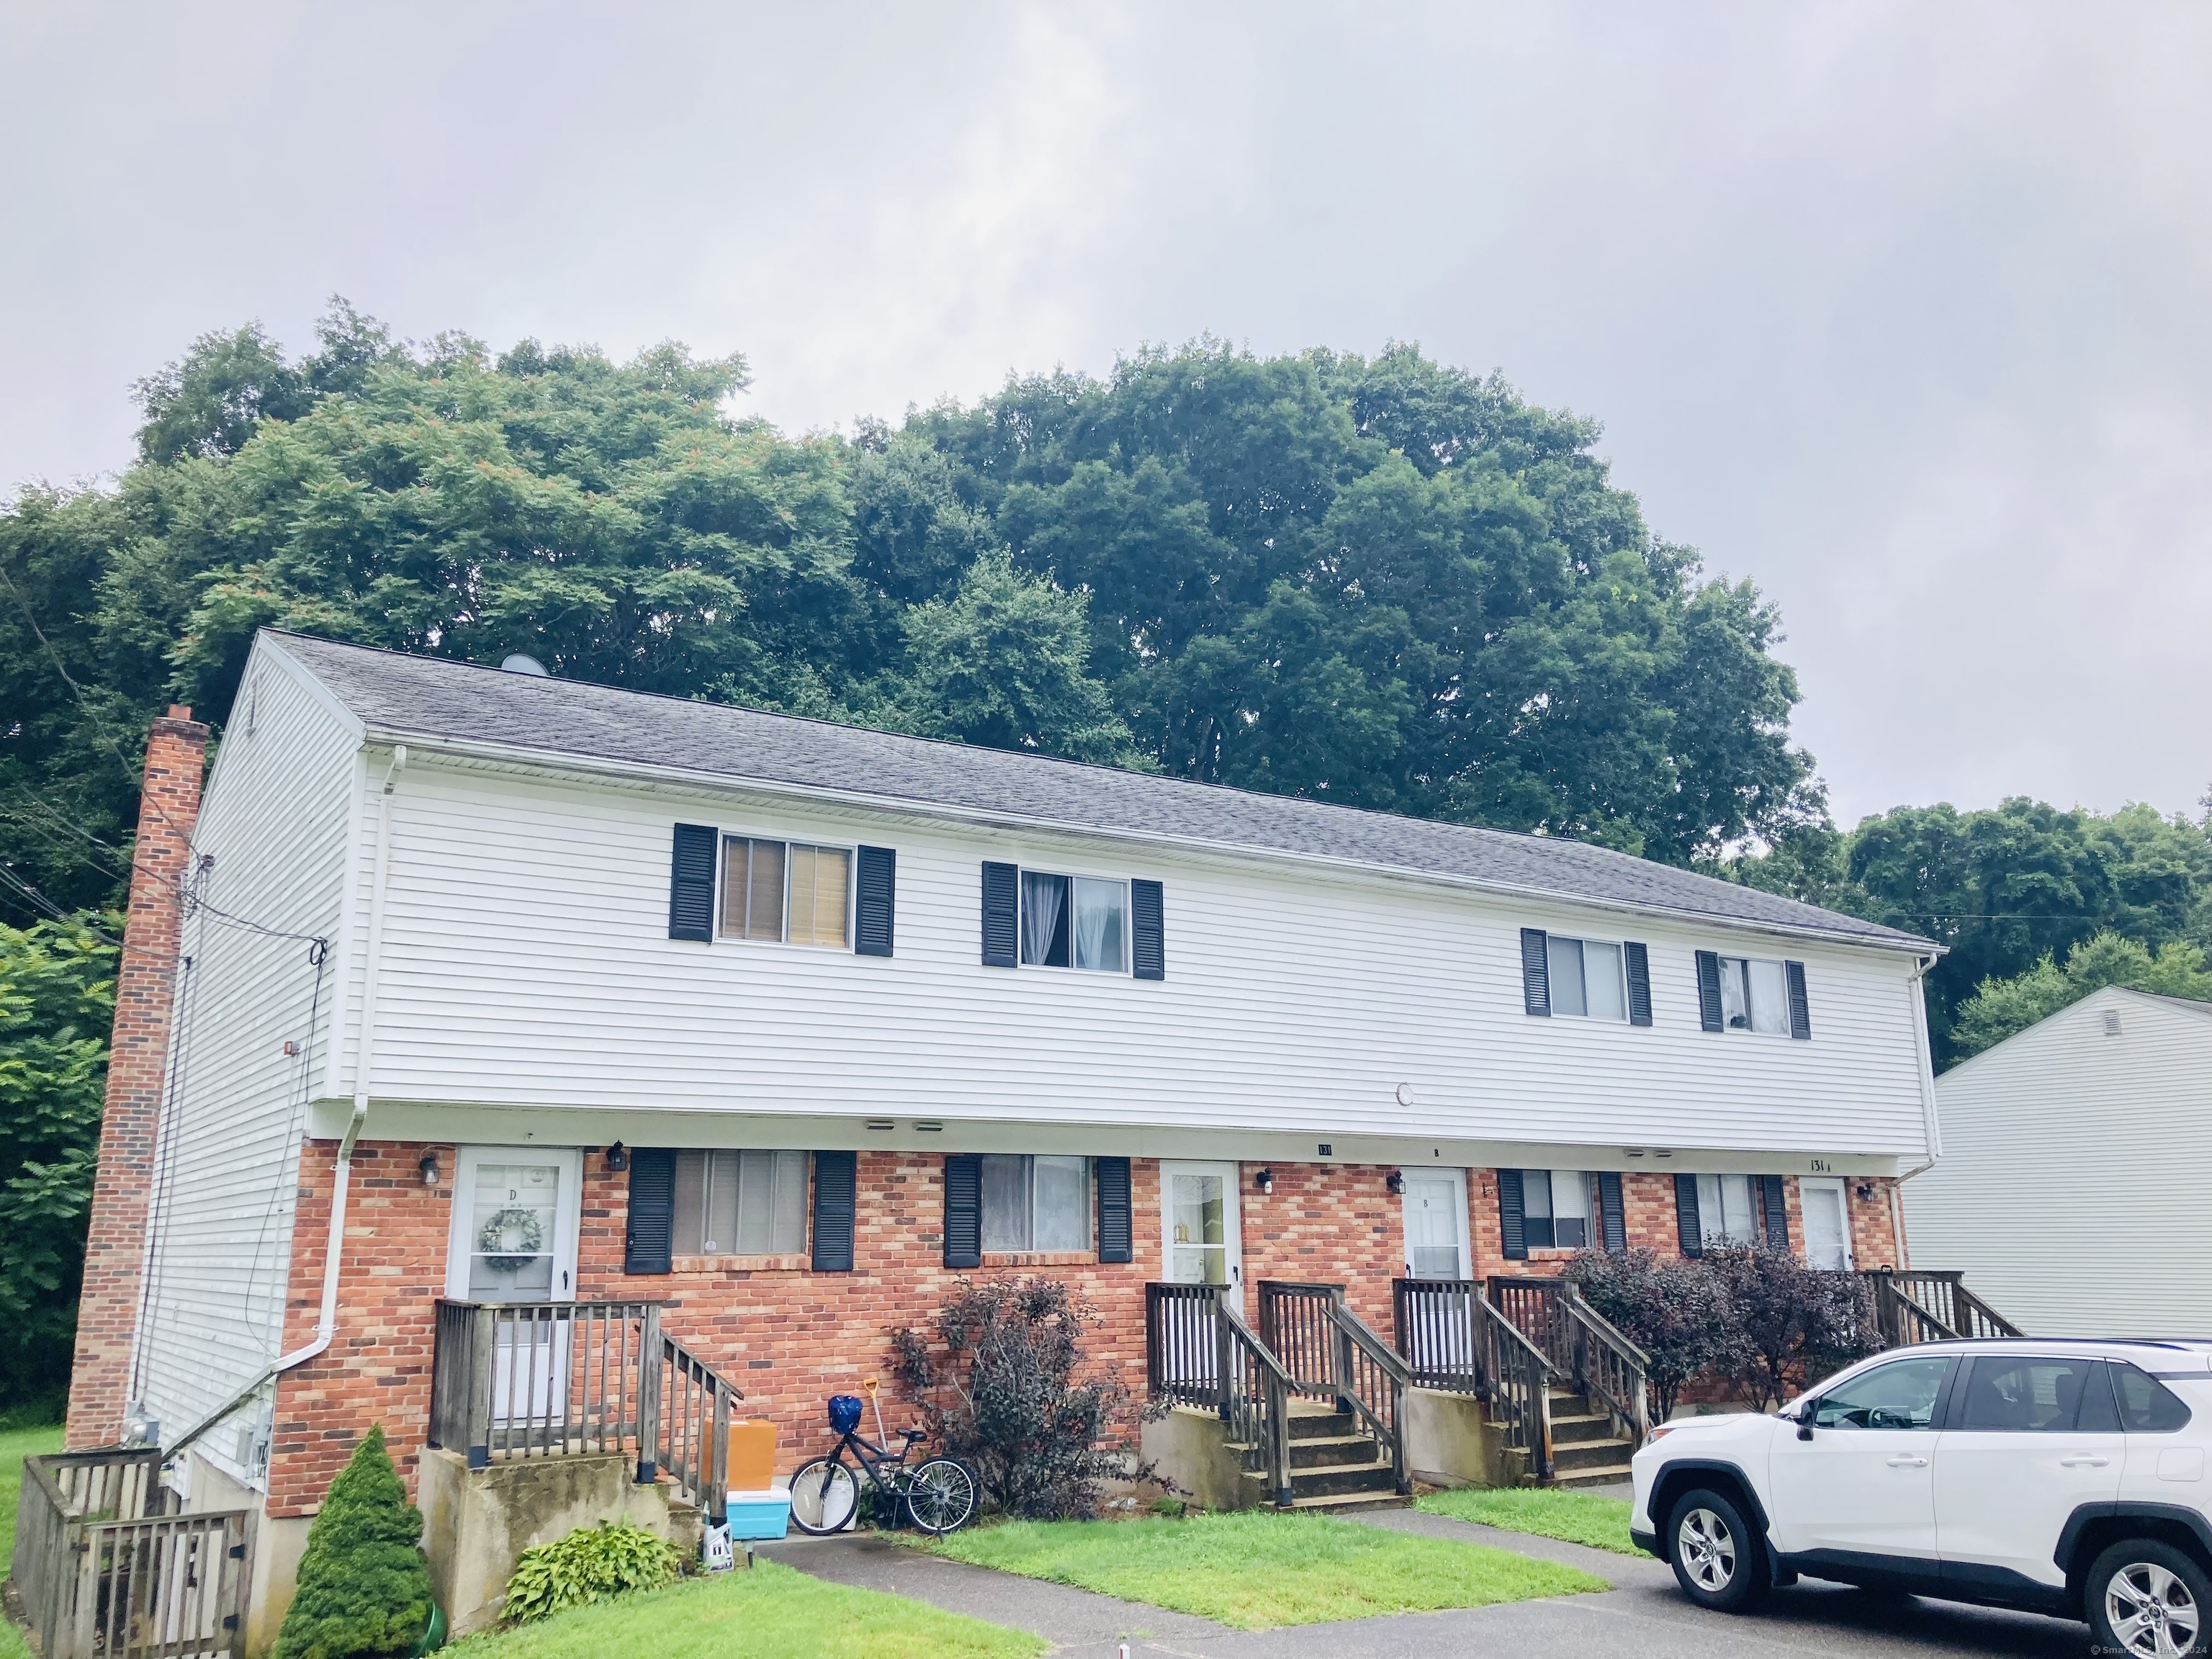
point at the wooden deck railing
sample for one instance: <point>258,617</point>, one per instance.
<point>107,1571</point>
<point>1331,1353</point>
<point>553,1379</point>
<point>1604,1366</point>
<point>1198,1350</point>
<point>1452,1339</point>
<point>1914,1306</point>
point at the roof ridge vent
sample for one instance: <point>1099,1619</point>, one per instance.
<point>519,663</point>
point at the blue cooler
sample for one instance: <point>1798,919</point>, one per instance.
<point>758,1515</point>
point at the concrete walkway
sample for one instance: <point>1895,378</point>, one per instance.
<point>1642,1617</point>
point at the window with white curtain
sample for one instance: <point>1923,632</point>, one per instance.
<point>1036,1203</point>
<point>1754,996</point>
<point>1588,979</point>
<point>1555,1209</point>
<point>1074,921</point>
<point>740,1203</point>
<point>1728,1210</point>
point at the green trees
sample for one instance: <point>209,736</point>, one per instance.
<point>2008,889</point>
<point>56,997</point>
<point>2001,1006</point>
<point>364,1591</point>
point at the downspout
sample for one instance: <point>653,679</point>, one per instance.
<point>341,1178</point>
<point>1931,1125</point>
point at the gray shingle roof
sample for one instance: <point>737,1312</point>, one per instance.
<point>400,696</point>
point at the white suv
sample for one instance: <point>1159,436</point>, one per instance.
<point>2068,1477</point>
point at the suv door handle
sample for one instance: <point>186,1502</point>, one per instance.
<point>1902,1460</point>
<point>2083,1460</point>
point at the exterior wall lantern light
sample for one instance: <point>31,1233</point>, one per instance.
<point>429,1167</point>
<point>1264,1182</point>
<point>1395,1182</point>
<point>617,1158</point>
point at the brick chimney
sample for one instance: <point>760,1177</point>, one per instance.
<point>145,986</point>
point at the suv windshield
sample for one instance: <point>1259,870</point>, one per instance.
<point>1901,1395</point>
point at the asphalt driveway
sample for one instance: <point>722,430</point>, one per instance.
<point>1642,1617</point>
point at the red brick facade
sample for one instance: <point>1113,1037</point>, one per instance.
<point>790,1337</point>
<point>145,984</point>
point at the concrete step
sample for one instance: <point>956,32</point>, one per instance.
<point>1591,1453</point>
<point>1365,1500</point>
<point>1343,1479</point>
<point>1337,1448</point>
<point>1604,1474</point>
<point>1321,1425</point>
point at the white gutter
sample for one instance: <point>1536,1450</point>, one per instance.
<point>1931,1123</point>
<point>542,760</point>
<point>341,1178</point>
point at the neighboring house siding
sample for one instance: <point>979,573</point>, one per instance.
<point>526,963</point>
<point>274,821</point>
<point>2074,1191</point>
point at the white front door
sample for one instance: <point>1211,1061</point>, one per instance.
<point>1436,1224</point>
<point>1200,1238</point>
<point>514,1225</point>
<point>1827,1223</point>
<point>515,1211</point>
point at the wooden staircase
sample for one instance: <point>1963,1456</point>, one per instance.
<point>1588,1448</point>
<point>1333,1464</point>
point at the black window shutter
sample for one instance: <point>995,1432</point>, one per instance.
<point>836,1205</point>
<point>1512,1232</point>
<point>875,905</point>
<point>963,1208</point>
<point>1709,992</point>
<point>1535,972</point>
<point>1640,984</point>
<point>1116,1242</point>
<point>1687,1233</point>
<point>691,883</point>
<point>1002,915</point>
<point>1148,948</point>
<point>1777,1211</point>
<point>1801,1011</point>
<point>652,1210</point>
<point>1616,1218</point>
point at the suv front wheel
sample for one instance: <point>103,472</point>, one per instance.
<point>2149,1600</point>
<point>1717,1559</point>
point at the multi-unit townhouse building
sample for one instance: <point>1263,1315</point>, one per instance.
<point>466,985</point>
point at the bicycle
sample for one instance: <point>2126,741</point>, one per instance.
<point>939,1493</point>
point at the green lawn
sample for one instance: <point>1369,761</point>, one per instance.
<point>771,1611</point>
<point>1255,1570</point>
<point>1577,1517</point>
<point>15,1445</point>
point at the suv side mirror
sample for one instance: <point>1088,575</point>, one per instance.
<point>1802,1417</point>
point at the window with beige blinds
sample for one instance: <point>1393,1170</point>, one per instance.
<point>731,1203</point>
<point>785,892</point>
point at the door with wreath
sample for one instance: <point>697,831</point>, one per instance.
<point>514,1242</point>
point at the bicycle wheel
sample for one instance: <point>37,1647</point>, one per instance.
<point>823,1496</point>
<point>940,1496</point>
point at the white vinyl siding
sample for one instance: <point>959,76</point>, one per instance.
<point>276,821</point>
<point>526,963</point>
<point>2073,1192</point>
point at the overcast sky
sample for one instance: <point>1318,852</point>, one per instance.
<point>1903,310</point>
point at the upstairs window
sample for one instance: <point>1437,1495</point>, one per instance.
<point>731,1203</point>
<point>1074,921</point>
<point>785,892</point>
<point>1754,996</point>
<point>1587,978</point>
<point>1036,1203</point>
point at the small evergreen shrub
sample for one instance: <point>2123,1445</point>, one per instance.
<point>364,1591</point>
<point>590,1565</point>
